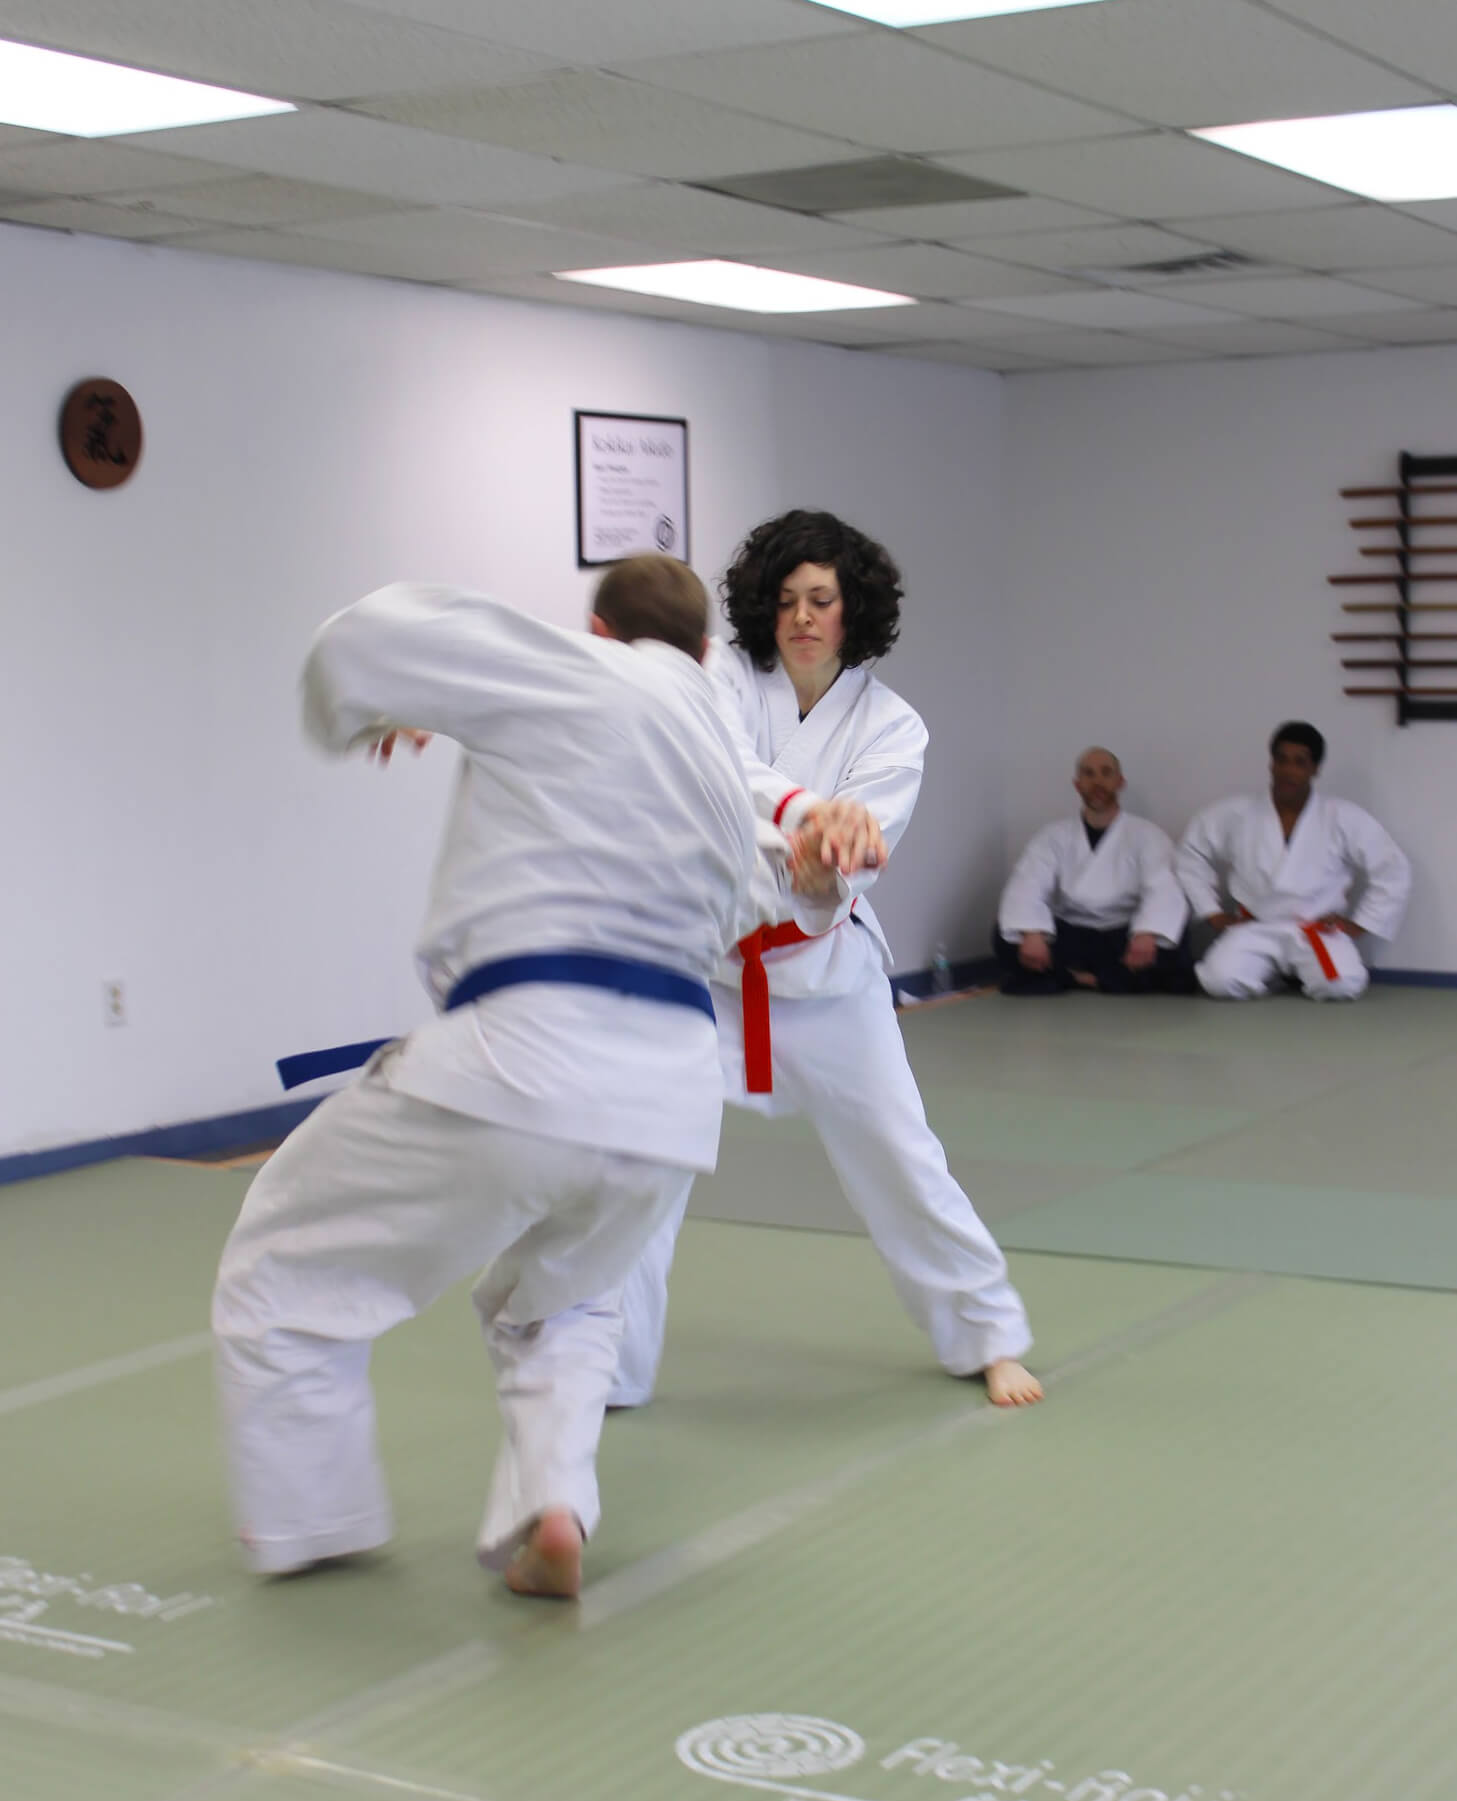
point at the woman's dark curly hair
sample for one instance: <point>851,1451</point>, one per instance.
<point>870,584</point>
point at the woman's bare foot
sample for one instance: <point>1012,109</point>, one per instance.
<point>550,1562</point>
<point>1009,1385</point>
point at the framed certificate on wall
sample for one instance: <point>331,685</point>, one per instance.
<point>632,487</point>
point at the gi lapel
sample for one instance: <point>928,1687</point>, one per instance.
<point>1093,877</point>
<point>1302,851</point>
<point>799,745</point>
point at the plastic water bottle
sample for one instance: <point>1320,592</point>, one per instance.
<point>941,982</point>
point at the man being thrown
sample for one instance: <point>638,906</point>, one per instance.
<point>1290,881</point>
<point>599,857</point>
<point>1093,902</point>
<point>809,1026</point>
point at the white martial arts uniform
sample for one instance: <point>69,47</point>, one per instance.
<point>838,1055</point>
<point>542,1131</point>
<point>1128,881</point>
<point>1234,858</point>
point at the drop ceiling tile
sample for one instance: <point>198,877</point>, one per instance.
<point>1153,175</point>
<point>961,222</point>
<point>19,137</point>
<point>97,166</point>
<point>941,321</point>
<point>670,220</point>
<point>926,271</point>
<point>1331,237</point>
<point>1442,213</point>
<point>89,216</point>
<point>1090,349</point>
<point>342,149</point>
<point>1181,62</point>
<point>1433,287</point>
<point>995,358</point>
<point>1249,337</point>
<point>302,251</point>
<point>586,116</point>
<point>257,200</point>
<point>1093,247</point>
<point>1287,296</point>
<point>1414,35</point>
<point>892,92</point>
<point>292,49</point>
<point>450,245</point>
<point>1436,327</point>
<point>1109,308</point>
<point>845,329</point>
<point>588,31</point>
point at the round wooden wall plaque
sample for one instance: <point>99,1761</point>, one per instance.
<point>101,433</point>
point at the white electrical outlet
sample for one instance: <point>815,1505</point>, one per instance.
<point>113,1003</point>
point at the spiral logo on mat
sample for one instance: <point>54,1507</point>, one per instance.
<point>747,1745</point>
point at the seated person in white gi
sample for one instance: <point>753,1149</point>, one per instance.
<point>599,858</point>
<point>1290,881</point>
<point>1093,901</point>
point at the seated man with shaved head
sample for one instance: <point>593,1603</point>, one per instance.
<point>1093,901</point>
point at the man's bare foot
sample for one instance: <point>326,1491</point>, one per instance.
<point>1009,1385</point>
<point>1084,978</point>
<point>550,1562</point>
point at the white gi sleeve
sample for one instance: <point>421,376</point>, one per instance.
<point>1026,904</point>
<point>1162,908</point>
<point>1199,857</point>
<point>432,659</point>
<point>1373,855</point>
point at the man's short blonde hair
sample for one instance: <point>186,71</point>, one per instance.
<point>654,597</point>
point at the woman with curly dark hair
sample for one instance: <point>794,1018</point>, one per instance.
<point>807,1025</point>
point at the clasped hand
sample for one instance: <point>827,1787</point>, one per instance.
<point>838,837</point>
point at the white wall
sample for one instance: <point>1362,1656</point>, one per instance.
<point>310,436</point>
<point>1171,531</point>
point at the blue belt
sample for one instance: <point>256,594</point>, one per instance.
<point>579,969</point>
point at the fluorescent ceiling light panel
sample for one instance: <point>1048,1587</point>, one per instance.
<point>47,90</point>
<point>738,285</point>
<point>907,13</point>
<point>1408,153</point>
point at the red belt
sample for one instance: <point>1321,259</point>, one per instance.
<point>758,1057</point>
<point>1322,955</point>
<point>1316,943</point>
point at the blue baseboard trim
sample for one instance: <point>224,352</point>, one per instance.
<point>1416,978</point>
<point>228,1133</point>
<point>217,1137</point>
<point>981,971</point>
<point>974,972</point>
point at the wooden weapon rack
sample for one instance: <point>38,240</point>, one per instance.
<point>1418,677</point>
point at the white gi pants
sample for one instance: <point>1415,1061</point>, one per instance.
<point>841,1061</point>
<point>1248,959</point>
<point>374,1207</point>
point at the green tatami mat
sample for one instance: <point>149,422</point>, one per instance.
<point>107,1261</point>
<point>1341,1233</point>
<point>1392,1130</point>
<point>1220,1566</point>
<point>788,1358</point>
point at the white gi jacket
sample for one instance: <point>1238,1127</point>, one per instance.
<point>600,805</point>
<point>1128,881</point>
<point>861,741</point>
<point>1338,855</point>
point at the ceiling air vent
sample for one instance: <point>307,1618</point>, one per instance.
<point>856,187</point>
<point>1173,268</point>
